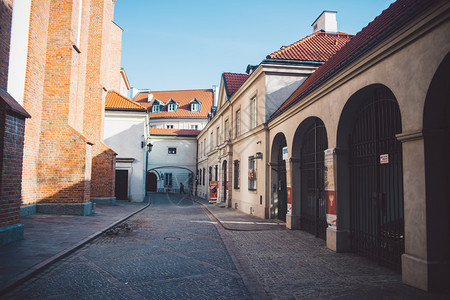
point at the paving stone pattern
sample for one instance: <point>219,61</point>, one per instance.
<point>175,249</point>
<point>170,251</point>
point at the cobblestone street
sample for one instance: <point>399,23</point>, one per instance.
<point>170,250</point>
<point>175,249</point>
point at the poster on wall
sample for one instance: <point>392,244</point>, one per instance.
<point>330,188</point>
<point>213,185</point>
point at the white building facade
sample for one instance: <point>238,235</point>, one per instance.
<point>125,133</point>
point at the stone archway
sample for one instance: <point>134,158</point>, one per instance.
<point>152,182</point>
<point>310,142</point>
<point>370,175</point>
<point>278,207</point>
<point>436,133</point>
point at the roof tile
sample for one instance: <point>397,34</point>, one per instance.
<point>390,19</point>
<point>115,100</point>
<point>174,131</point>
<point>319,46</point>
<point>233,82</point>
<point>183,97</point>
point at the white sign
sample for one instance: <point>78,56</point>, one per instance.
<point>384,159</point>
<point>285,153</point>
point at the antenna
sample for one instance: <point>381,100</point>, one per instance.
<point>150,97</point>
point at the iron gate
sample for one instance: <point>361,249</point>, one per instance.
<point>313,209</point>
<point>376,181</point>
<point>282,190</point>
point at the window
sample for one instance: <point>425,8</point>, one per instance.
<point>199,176</point>
<point>156,108</point>
<point>152,126</point>
<point>168,180</point>
<point>218,136</point>
<point>204,146</point>
<point>201,149</point>
<point>236,174</point>
<point>216,169</point>
<point>211,141</point>
<point>194,126</point>
<point>227,136</point>
<point>171,107</point>
<point>172,150</point>
<point>210,173</point>
<point>251,173</point>
<point>169,126</point>
<point>253,113</point>
<point>194,107</point>
<point>203,176</point>
<point>238,122</point>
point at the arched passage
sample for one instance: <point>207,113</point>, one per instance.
<point>370,175</point>
<point>310,142</point>
<point>152,182</point>
<point>278,208</point>
<point>436,131</point>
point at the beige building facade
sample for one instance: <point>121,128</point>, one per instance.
<point>357,154</point>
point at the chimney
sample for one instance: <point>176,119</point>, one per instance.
<point>215,89</point>
<point>326,22</point>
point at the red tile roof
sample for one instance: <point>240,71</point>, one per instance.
<point>382,26</point>
<point>182,97</point>
<point>115,100</point>
<point>319,46</point>
<point>233,81</point>
<point>173,131</point>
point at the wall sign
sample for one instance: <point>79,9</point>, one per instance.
<point>384,159</point>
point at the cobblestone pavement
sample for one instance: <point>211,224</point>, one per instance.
<point>176,250</point>
<point>171,250</point>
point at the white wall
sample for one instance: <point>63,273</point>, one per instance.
<point>19,49</point>
<point>124,132</point>
<point>178,164</point>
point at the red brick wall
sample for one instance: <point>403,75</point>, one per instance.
<point>97,83</point>
<point>34,96</point>
<point>5,38</point>
<point>11,152</point>
<point>104,185</point>
<point>64,95</point>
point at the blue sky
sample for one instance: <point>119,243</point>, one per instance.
<point>188,44</point>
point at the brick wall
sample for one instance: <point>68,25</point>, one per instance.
<point>97,84</point>
<point>12,130</point>
<point>103,186</point>
<point>34,96</point>
<point>5,38</point>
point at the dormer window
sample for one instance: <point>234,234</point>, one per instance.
<point>172,105</point>
<point>156,106</point>
<point>195,105</point>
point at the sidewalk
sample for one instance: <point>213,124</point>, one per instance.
<point>48,238</point>
<point>232,219</point>
<point>291,264</point>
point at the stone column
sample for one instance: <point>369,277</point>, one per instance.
<point>338,225</point>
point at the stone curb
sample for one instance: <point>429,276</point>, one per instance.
<point>36,269</point>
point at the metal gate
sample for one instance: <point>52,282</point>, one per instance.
<point>376,181</point>
<point>313,209</point>
<point>282,187</point>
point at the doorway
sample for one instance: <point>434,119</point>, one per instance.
<point>121,189</point>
